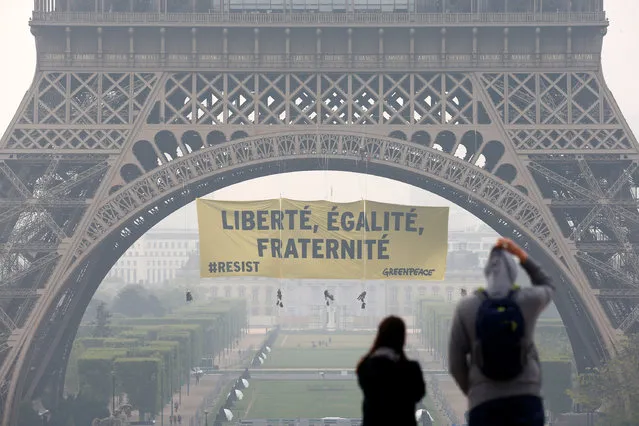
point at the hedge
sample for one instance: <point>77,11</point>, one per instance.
<point>144,351</point>
<point>140,380</point>
<point>94,372</point>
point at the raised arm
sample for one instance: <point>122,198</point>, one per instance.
<point>544,289</point>
<point>538,276</point>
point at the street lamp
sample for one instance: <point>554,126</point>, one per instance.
<point>162,398</point>
<point>171,384</point>
<point>113,393</point>
<point>206,418</point>
<point>188,375</point>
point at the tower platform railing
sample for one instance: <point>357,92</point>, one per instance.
<point>326,19</point>
<point>323,61</point>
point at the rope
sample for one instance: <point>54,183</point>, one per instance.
<point>185,214</point>
<point>365,198</point>
<point>280,260</point>
<point>280,278</point>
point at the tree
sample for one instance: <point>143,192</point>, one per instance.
<point>614,388</point>
<point>135,301</point>
<point>140,380</point>
<point>155,307</point>
<point>102,323</point>
<point>555,386</point>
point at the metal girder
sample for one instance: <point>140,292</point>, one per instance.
<point>46,202</point>
<point>589,176</point>
<point>633,217</point>
<point>599,207</point>
<point>627,173</point>
<point>549,174</point>
<point>608,195</point>
<point>7,321</point>
<point>16,293</point>
<point>563,158</point>
<point>623,237</point>
<point>40,263</point>
<point>54,226</point>
<point>51,198</point>
<point>604,267</point>
<point>585,222</point>
<point>81,177</point>
<point>602,246</point>
<point>42,183</point>
<point>630,320</point>
<point>21,247</point>
<point>583,203</point>
<point>15,180</point>
<point>618,293</point>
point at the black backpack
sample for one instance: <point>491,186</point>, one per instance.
<point>500,333</point>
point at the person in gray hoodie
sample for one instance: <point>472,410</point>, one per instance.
<point>492,355</point>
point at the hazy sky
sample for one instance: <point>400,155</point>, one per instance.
<point>619,63</point>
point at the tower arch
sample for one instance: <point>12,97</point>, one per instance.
<point>139,204</point>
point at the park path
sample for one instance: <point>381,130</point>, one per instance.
<point>191,410</point>
<point>201,395</point>
<point>239,355</point>
<point>450,401</point>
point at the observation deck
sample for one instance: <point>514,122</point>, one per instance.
<point>320,12</point>
<point>319,34</point>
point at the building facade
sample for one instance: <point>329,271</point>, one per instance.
<point>156,257</point>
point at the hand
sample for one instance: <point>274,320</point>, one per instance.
<point>511,247</point>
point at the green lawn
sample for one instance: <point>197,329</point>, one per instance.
<point>313,358</point>
<point>296,351</point>
<point>271,399</point>
<point>300,398</point>
<point>337,341</point>
<point>309,398</point>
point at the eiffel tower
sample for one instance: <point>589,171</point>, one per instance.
<point>140,106</point>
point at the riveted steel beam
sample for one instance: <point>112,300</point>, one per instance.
<point>40,263</point>
<point>7,321</point>
<point>602,246</point>
<point>588,203</point>
<point>604,267</point>
<point>14,293</point>
<point>45,202</point>
<point>30,246</point>
<point>630,320</point>
<point>632,293</point>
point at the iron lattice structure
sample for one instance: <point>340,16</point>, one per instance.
<point>139,107</point>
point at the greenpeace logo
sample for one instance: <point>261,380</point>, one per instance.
<point>408,272</point>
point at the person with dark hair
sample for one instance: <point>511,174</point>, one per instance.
<point>392,384</point>
<point>492,355</point>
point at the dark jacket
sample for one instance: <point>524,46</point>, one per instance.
<point>392,386</point>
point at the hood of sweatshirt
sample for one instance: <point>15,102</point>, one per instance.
<point>500,272</point>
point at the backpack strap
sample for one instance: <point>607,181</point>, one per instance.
<point>511,293</point>
<point>482,293</point>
